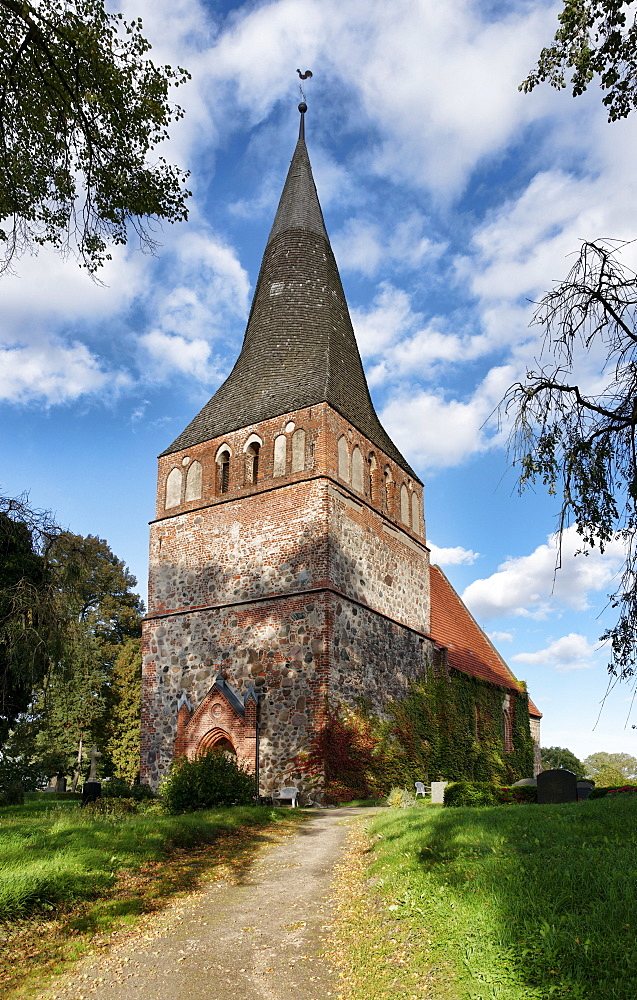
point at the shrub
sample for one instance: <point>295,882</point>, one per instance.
<point>11,795</point>
<point>212,779</point>
<point>118,788</point>
<point>516,795</point>
<point>599,793</point>
<point>471,793</point>
<point>400,798</point>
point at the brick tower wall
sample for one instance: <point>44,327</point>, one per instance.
<point>301,585</point>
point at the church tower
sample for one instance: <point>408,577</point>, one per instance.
<point>288,563</point>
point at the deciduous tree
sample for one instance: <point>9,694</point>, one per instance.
<point>82,110</point>
<point>596,39</point>
<point>556,757</point>
<point>575,419</point>
<point>611,768</point>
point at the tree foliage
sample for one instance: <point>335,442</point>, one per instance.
<point>67,613</point>
<point>124,714</point>
<point>575,419</point>
<point>82,110</point>
<point>607,769</point>
<point>595,39</point>
<point>556,757</point>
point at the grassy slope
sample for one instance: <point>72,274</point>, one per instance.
<point>66,875</point>
<point>505,903</point>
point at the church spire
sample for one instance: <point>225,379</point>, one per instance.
<point>299,347</point>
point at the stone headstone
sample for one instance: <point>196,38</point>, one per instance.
<point>524,781</point>
<point>91,792</point>
<point>584,789</point>
<point>438,792</point>
<point>557,785</point>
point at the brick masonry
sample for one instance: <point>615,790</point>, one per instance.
<point>299,584</point>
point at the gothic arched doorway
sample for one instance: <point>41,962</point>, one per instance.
<point>216,739</point>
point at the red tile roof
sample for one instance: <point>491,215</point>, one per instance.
<point>468,648</point>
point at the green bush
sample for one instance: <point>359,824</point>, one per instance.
<point>11,795</point>
<point>599,793</point>
<point>118,788</point>
<point>212,779</point>
<point>516,795</point>
<point>471,793</point>
<point>400,798</point>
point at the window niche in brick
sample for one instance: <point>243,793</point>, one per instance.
<point>173,488</point>
<point>222,459</point>
<point>404,504</point>
<point>280,455</point>
<point>357,469</point>
<point>298,450</point>
<point>343,459</point>
<point>373,477</point>
<point>416,522</point>
<point>252,449</point>
<point>388,490</point>
<point>193,481</point>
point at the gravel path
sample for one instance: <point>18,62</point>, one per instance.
<point>259,940</point>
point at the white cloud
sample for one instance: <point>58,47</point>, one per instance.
<point>533,586</point>
<point>453,556</point>
<point>440,432</point>
<point>500,636</point>
<point>570,652</point>
<point>52,372</point>
<point>362,246</point>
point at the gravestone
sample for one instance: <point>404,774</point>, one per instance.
<point>92,789</point>
<point>584,789</point>
<point>438,792</point>
<point>556,785</point>
<point>524,781</point>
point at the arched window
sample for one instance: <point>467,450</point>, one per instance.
<point>223,469</point>
<point>404,504</point>
<point>357,469</point>
<point>280,454</point>
<point>193,481</point>
<point>252,462</point>
<point>343,459</point>
<point>373,476</point>
<point>388,488</point>
<point>298,450</point>
<point>415,513</point>
<point>173,488</point>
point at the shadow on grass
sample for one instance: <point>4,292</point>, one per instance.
<point>35,948</point>
<point>539,898</point>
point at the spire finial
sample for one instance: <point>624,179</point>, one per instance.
<point>302,109</point>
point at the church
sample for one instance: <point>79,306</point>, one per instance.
<point>289,568</point>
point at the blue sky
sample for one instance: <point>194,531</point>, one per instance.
<point>451,201</point>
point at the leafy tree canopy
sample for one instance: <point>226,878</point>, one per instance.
<point>611,768</point>
<point>595,39</point>
<point>556,757</point>
<point>575,419</point>
<point>82,110</point>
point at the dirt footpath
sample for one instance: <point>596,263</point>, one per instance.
<point>259,940</point>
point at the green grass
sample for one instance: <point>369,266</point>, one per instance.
<point>69,878</point>
<point>52,854</point>
<point>511,902</point>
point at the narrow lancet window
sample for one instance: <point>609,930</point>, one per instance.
<point>280,454</point>
<point>193,481</point>
<point>173,488</point>
<point>223,470</point>
<point>343,459</point>
<point>373,477</point>
<point>415,513</point>
<point>252,463</point>
<point>357,469</point>
<point>298,450</point>
<point>404,504</point>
